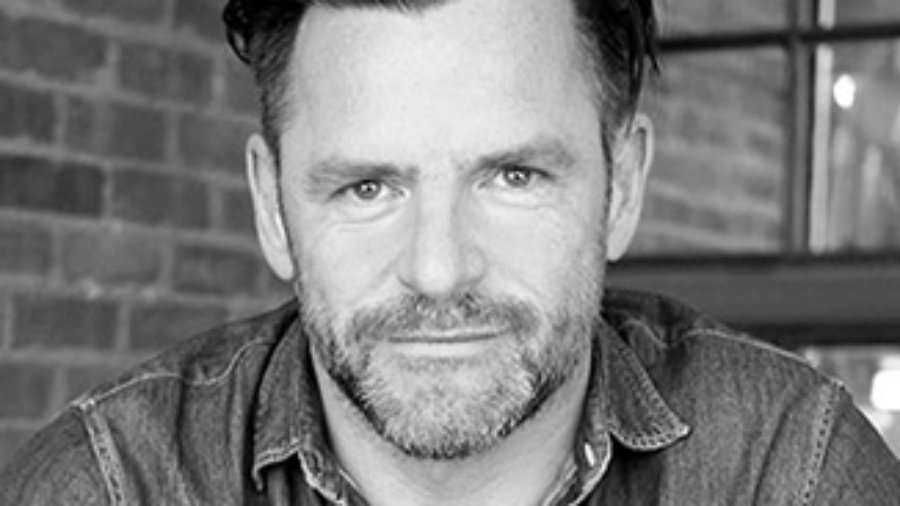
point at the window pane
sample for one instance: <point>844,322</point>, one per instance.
<point>866,11</point>
<point>860,189</point>
<point>721,148</point>
<point>683,17</point>
<point>872,375</point>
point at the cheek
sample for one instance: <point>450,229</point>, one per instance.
<point>549,254</point>
<point>344,266</point>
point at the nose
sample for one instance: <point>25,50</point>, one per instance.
<point>441,259</point>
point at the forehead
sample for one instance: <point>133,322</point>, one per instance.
<point>458,72</point>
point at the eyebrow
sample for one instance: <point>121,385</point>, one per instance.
<point>544,151</point>
<point>331,172</point>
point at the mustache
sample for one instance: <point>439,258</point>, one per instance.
<point>416,314</point>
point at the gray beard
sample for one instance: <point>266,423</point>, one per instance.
<point>451,408</point>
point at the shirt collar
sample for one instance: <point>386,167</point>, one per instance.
<point>622,399</point>
<point>289,421</point>
<point>621,403</point>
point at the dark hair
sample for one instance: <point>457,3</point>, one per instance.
<point>619,35</point>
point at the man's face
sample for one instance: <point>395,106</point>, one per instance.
<point>442,186</point>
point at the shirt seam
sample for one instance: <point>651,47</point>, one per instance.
<point>644,384</point>
<point>104,451</point>
<point>211,381</point>
<point>736,337</point>
<point>637,322</point>
<point>823,430</point>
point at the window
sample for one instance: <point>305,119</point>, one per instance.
<point>778,128</point>
<point>774,202</point>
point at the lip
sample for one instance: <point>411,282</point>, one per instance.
<point>447,337</point>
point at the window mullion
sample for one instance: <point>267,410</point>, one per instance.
<point>798,177</point>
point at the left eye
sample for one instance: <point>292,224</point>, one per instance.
<point>517,177</point>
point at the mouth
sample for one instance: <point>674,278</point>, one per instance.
<point>447,337</point>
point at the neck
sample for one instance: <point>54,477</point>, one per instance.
<point>520,469</point>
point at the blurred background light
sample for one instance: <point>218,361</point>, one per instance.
<point>845,91</point>
<point>885,394</point>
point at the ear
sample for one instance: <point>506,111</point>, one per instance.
<point>629,176</point>
<point>262,176</point>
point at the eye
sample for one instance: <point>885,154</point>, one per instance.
<point>367,190</point>
<point>517,177</point>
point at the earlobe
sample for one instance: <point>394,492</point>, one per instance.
<point>262,177</point>
<point>632,165</point>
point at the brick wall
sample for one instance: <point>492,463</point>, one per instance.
<point>124,220</point>
<point>720,160</point>
<point>703,16</point>
<point>721,122</point>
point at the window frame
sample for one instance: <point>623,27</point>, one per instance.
<point>800,296</point>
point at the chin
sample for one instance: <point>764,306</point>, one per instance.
<point>447,408</point>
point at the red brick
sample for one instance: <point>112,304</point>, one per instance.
<point>27,113</point>
<point>25,248</point>
<point>201,269</point>
<point>85,127</point>
<point>200,17</point>
<point>136,11</point>
<point>141,196</point>
<point>54,50</point>
<point>191,206</point>
<point>41,185</point>
<point>668,209</point>
<point>697,125</point>
<point>137,132</point>
<point>210,143</point>
<point>744,225</point>
<point>6,41</point>
<point>763,184</point>
<point>26,390</point>
<point>54,322</point>
<point>111,257</point>
<point>767,141</point>
<point>115,128</point>
<point>79,188</point>
<point>5,321</point>
<point>159,199</point>
<point>237,212</point>
<point>163,73</point>
<point>155,326</point>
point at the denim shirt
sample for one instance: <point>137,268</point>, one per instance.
<point>680,411</point>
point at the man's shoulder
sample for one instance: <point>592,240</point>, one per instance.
<point>55,466</point>
<point>764,423</point>
<point>191,405</point>
<point>710,373</point>
<point>206,358</point>
<point>665,333</point>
